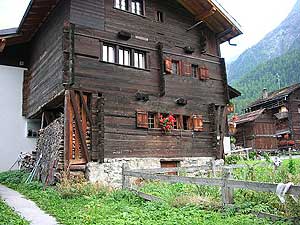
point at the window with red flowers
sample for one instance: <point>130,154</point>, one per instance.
<point>168,122</point>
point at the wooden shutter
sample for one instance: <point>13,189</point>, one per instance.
<point>156,120</point>
<point>203,73</point>
<point>187,69</point>
<point>198,123</point>
<point>179,120</point>
<point>180,68</point>
<point>168,65</point>
<point>142,119</point>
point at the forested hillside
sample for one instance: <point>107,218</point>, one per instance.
<point>276,43</point>
<point>286,68</point>
<point>273,63</point>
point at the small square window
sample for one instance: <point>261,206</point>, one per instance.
<point>108,53</point>
<point>195,71</point>
<point>151,120</point>
<point>139,59</point>
<point>159,16</point>
<point>121,4</point>
<point>175,67</point>
<point>124,57</point>
<point>137,7</point>
<point>186,121</point>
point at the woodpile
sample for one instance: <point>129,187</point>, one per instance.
<point>28,161</point>
<point>51,145</point>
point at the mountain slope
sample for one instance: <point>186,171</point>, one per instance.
<point>276,43</point>
<point>286,67</point>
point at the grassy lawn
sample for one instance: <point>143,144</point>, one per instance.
<point>82,203</point>
<point>9,217</point>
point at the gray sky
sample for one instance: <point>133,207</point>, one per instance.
<point>257,18</point>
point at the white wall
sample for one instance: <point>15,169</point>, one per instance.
<point>13,138</point>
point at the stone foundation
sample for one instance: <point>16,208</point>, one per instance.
<point>51,145</point>
<point>110,172</point>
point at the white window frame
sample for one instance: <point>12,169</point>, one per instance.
<point>108,53</point>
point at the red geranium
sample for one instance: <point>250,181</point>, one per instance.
<point>167,123</point>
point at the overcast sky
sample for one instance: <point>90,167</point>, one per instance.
<point>257,18</point>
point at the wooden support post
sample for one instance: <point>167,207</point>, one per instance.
<point>213,167</point>
<point>125,179</point>
<point>67,131</point>
<point>227,192</point>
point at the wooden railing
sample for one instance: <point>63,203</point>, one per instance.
<point>226,183</point>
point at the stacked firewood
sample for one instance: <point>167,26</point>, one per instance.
<point>28,161</point>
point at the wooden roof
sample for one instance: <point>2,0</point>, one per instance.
<point>249,117</point>
<point>276,95</point>
<point>233,93</point>
<point>36,13</point>
<point>215,16</point>
<point>208,11</point>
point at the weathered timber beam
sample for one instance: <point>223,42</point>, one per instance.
<point>78,124</point>
<point>85,106</point>
<point>145,196</point>
<point>254,186</point>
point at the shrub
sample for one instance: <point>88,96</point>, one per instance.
<point>78,186</point>
<point>232,159</point>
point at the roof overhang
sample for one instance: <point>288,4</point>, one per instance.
<point>215,16</point>
<point>35,15</point>
<point>208,11</point>
<point>233,93</point>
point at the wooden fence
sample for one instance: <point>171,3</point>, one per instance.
<point>226,183</point>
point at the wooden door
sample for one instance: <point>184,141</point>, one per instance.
<point>76,124</point>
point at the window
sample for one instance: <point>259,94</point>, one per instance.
<point>124,56</point>
<point>151,120</point>
<point>139,59</point>
<point>108,53</point>
<point>195,71</point>
<point>137,7</point>
<point>175,67</point>
<point>133,6</point>
<point>186,122</point>
<point>121,4</point>
<point>159,16</point>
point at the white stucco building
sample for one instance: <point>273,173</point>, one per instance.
<point>13,126</point>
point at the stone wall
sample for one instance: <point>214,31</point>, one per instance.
<point>110,172</point>
<point>50,146</point>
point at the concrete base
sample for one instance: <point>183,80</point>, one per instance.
<point>110,172</point>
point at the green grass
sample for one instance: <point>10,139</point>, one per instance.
<point>72,204</point>
<point>9,217</point>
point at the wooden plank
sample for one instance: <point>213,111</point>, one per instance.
<point>174,169</point>
<point>254,186</point>
<point>177,179</point>
<point>67,131</point>
<point>84,121</point>
<point>79,125</point>
<point>85,106</point>
<point>145,196</point>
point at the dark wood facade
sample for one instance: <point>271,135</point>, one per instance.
<point>67,74</point>
<point>256,130</point>
<point>279,121</point>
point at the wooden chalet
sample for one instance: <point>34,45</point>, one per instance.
<point>272,122</point>
<point>112,67</point>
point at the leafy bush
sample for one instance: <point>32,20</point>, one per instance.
<point>78,186</point>
<point>232,159</point>
<point>292,167</point>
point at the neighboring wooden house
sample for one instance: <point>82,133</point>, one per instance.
<point>112,67</point>
<point>272,122</point>
<point>256,130</point>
